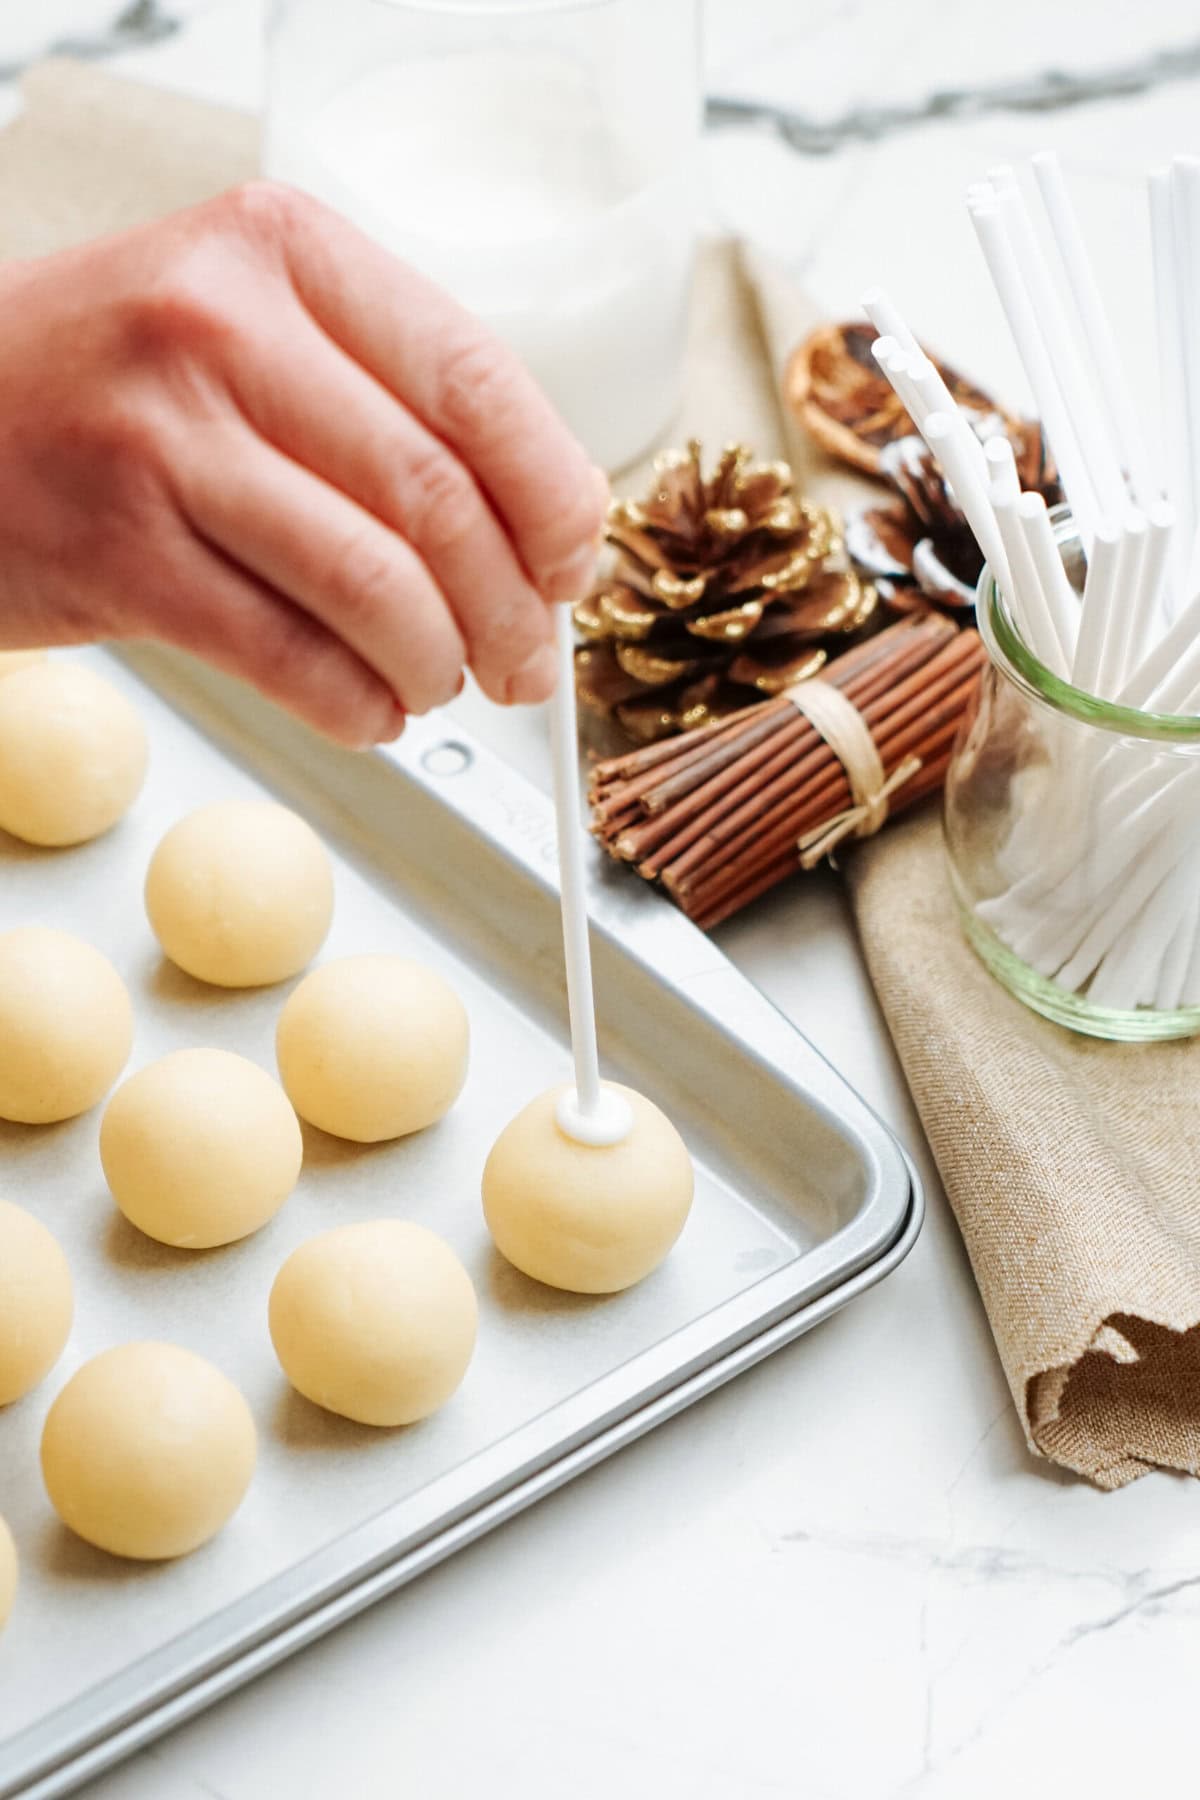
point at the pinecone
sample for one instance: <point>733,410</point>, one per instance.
<point>920,547</point>
<point>722,591</point>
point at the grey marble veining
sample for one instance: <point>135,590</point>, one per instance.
<point>140,24</point>
<point>1051,90</point>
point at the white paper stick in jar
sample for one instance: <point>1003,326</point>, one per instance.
<point>960,470</point>
<point>1144,877</point>
<point>1185,212</point>
<point>1177,958</point>
<point>1099,590</point>
<point>1190,995</point>
<point>1171,668</point>
<point>1035,618</point>
<point>1087,419</point>
<point>1150,617</point>
<point>1061,598</point>
<point>894,366</point>
<point>1132,967</point>
<point>1002,265</point>
<point>592,1113</point>
<point>1116,660</point>
<point>889,321</point>
<point>1099,336</point>
<point>1171,378</point>
<point>934,396</point>
<point>921,388</point>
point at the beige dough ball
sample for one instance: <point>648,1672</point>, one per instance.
<point>72,754</point>
<point>373,1047</point>
<point>36,1302</point>
<point>9,1574</point>
<point>200,1148</point>
<point>591,1220</point>
<point>66,1025</point>
<point>375,1321</point>
<point>148,1451</point>
<point>12,660</point>
<point>240,894</point>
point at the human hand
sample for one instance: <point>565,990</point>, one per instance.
<point>248,431</point>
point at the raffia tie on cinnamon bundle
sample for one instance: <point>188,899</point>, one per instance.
<point>721,814</point>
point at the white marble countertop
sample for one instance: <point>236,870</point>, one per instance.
<point>843,1577</point>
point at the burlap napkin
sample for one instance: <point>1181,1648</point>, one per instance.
<point>1073,1167</point>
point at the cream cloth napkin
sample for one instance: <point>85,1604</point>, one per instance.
<point>1073,1167</point>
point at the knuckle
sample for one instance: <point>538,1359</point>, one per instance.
<point>119,452</point>
<point>180,317</point>
<point>441,502</point>
<point>294,657</point>
<point>504,636</point>
<point>363,576</point>
<point>478,386</point>
<point>573,524</point>
<point>264,209</point>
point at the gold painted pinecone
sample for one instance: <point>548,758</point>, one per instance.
<point>721,591</point>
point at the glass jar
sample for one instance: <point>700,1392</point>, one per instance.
<point>1073,836</point>
<point>535,157</point>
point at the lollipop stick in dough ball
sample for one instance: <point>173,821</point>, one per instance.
<point>240,894</point>
<point>66,1025</point>
<point>36,1302</point>
<point>374,1321</point>
<point>72,754</point>
<point>373,1047</point>
<point>200,1148</point>
<point>9,1574</point>
<point>591,1218</point>
<point>148,1451</point>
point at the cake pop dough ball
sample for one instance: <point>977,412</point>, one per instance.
<point>373,1047</point>
<point>12,660</point>
<point>36,1302</point>
<point>200,1148</point>
<point>375,1321</point>
<point>240,894</point>
<point>148,1451</point>
<point>72,753</point>
<point>591,1220</point>
<point>66,1025</point>
<point>9,1574</point>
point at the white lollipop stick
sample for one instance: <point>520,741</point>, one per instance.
<point>590,1113</point>
<point>1034,616</point>
<point>958,465</point>
<point>1059,594</point>
<point>1018,309</point>
<point>889,321</point>
<point>1099,335</point>
<point>1083,409</point>
<point>1185,206</point>
<point>1173,397</point>
<point>1116,658</point>
<point>894,366</point>
<point>1099,597</point>
<point>1166,678</point>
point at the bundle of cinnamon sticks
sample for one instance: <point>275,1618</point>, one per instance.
<point>721,814</point>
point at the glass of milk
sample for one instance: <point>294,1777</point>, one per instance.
<point>536,157</point>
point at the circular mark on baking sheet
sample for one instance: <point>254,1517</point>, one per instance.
<point>449,758</point>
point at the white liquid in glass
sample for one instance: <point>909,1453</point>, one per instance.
<point>499,174</point>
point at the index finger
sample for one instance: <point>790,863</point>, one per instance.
<point>469,388</point>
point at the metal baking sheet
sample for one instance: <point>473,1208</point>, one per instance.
<point>444,853</point>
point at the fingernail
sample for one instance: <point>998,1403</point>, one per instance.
<point>574,578</point>
<point>535,679</point>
